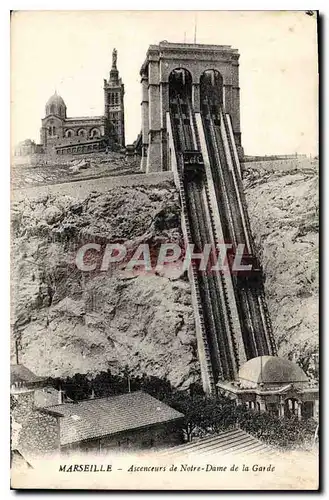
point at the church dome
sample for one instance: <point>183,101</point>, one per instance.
<point>270,370</point>
<point>56,106</point>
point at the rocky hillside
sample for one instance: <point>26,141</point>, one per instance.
<point>283,208</point>
<point>87,322</point>
<point>47,169</point>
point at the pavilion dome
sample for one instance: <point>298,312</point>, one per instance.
<point>56,106</point>
<point>271,370</point>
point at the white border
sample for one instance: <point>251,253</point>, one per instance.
<point>4,185</point>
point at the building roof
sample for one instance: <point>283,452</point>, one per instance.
<point>46,397</point>
<point>232,442</point>
<point>84,118</point>
<point>56,99</point>
<point>182,49</point>
<point>26,142</point>
<point>95,418</point>
<point>19,373</point>
<point>270,370</point>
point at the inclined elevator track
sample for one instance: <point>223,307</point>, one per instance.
<point>249,293</point>
<point>218,337</point>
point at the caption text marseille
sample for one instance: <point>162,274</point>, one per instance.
<point>165,468</point>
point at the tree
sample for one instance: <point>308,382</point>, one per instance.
<point>194,409</point>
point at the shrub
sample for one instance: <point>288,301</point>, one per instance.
<point>280,432</point>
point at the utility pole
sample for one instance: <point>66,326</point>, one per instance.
<point>16,351</point>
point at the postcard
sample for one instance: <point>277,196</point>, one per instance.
<point>164,250</point>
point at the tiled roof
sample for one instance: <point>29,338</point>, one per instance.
<point>231,442</point>
<point>100,417</point>
<point>45,397</point>
<point>19,373</point>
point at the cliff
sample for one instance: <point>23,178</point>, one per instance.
<point>87,322</point>
<point>283,209</point>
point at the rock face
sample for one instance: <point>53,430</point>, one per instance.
<point>283,208</point>
<point>79,322</point>
<point>85,322</point>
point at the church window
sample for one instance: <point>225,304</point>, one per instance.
<point>95,133</point>
<point>52,109</point>
<point>51,131</point>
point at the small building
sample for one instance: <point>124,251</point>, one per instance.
<point>275,385</point>
<point>24,151</point>
<point>129,421</point>
<point>44,421</point>
<point>22,377</point>
<point>25,148</point>
<point>32,432</point>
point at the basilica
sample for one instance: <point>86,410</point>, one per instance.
<point>64,135</point>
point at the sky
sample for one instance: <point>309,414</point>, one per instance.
<point>70,52</point>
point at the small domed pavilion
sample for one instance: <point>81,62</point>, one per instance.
<point>275,385</point>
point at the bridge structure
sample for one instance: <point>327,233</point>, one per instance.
<point>191,126</point>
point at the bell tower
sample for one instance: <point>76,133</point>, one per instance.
<point>114,105</point>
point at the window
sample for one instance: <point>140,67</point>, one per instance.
<point>52,109</point>
<point>95,132</point>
